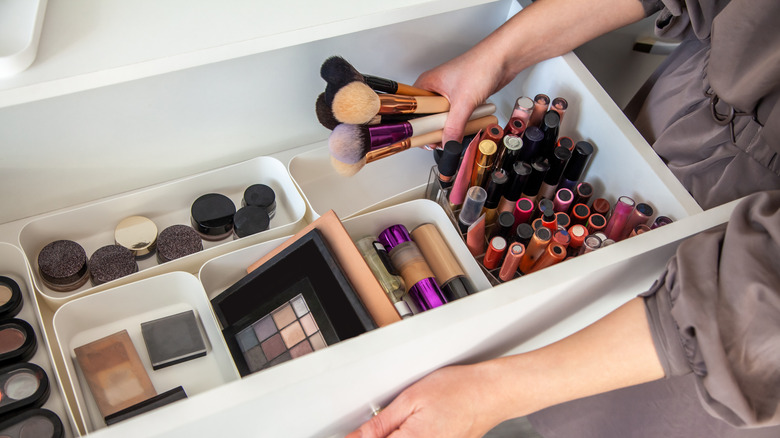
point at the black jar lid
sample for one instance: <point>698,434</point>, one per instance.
<point>17,341</point>
<point>212,216</point>
<point>260,195</point>
<point>111,262</point>
<point>250,220</point>
<point>10,297</point>
<point>62,265</point>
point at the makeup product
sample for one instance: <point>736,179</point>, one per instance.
<point>509,266</point>
<point>17,341</point>
<point>250,220</point>
<point>562,237</point>
<point>624,207</point>
<point>351,261</point>
<point>337,70</point>
<point>601,206</point>
<point>639,229</point>
<point>575,167</point>
<point>10,298</point>
<point>63,265</point>
<point>494,133</point>
<point>23,385</point>
<point>553,253</point>
<point>565,142</point>
<point>544,205</point>
<point>563,219</point>
<point>639,216</point>
<point>472,207</point>
<point>661,221</point>
<point>377,258</point>
<point>449,274</point>
<point>523,109</point>
<point>541,105</point>
<point>579,214</point>
<point>111,262</point>
<point>517,179</point>
<point>582,193</point>
<point>32,423</point>
<point>138,234</point>
<point>475,237</point>
<point>483,162</point>
<point>535,249</point>
<point>463,177</point>
<point>177,241</point>
<point>392,104</point>
<point>549,220</point>
<point>559,158</point>
<point>523,234</point>
<point>559,105</point>
<point>606,243</point>
<point>515,127</point>
<point>538,170</point>
<point>533,139</point>
<point>596,223</point>
<point>448,163</point>
<point>147,405</point>
<point>592,242</point>
<point>537,223</point>
<point>563,200</point>
<point>296,302</point>
<point>409,261</point>
<point>495,252</point>
<point>577,234</point>
<point>260,195</point>
<point>524,209</point>
<point>509,154</point>
<point>212,216</point>
<point>495,190</point>
<point>114,372</point>
<point>550,127</point>
<point>173,339</point>
<point>504,225</point>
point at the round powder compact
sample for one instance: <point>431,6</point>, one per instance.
<point>177,241</point>
<point>111,262</point>
<point>138,234</point>
<point>62,265</point>
<point>212,216</point>
<point>260,195</point>
<point>10,298</point>
<point>250,220</point>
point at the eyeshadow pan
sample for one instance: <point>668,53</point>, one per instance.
<point>255,358</point>
<point>5,294</point>
<point>299,304</point>
<point>301,349</point>
<point>264,328</point>
<point>246,339</point>
<point>309,325</point>
<point>284,316</point>
<point>11,338</point>
<point>173,339</point>
<point>21,385</point>
<point>273,346</point>
<point>317,341</point>
<point>293,334</point>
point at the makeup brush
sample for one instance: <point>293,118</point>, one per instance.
<point>326,118</point>
<point>347,169</point>
<point>350,143</point>
<point>355,103</point>
<point>336,70</point>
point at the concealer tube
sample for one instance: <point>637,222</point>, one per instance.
<point>535,249</point>
<point>495,252</point>
<point>410,263</point>
<point>554,253</point>
<point>377,258</point>
<point>624,207</point>
<point>448,272</point>
<point>513,256</point>
<point>483,162</point>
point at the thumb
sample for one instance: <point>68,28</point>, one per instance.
<point>386,422</point>
<point>456,121</point>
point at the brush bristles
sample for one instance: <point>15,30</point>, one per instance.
<point>337,71</point>
<point>355,103</point>
<point>324,113</point>
<point>345,169</point>
<point>349,143</point>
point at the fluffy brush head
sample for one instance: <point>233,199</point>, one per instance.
<point>337,71</point>
<point>325,113</point>
<point>349,143</point>
<point>345,169</point>
<point>355,103</point>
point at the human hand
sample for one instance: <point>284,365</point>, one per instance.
<point>451,402</point>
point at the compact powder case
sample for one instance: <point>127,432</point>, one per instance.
<point>173,339</point>
<point>138,234</point>
<point>63,265</point>
<point>22,385</point>
<point>250,220</point>
<point>212,216</point>
<point>33,423</point>
<point>17,341</point>
<point>111,262</point>
<point>147,405</point>
<point>10,298</point>
<point>177,241</point>
<point>260,195</point>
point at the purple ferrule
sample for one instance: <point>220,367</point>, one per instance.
<point>427,294</point>
<point>385,135</point>
<point>393,236</point>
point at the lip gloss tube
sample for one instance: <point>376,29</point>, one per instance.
<point>524,208</point>
<point>535,249</point>
<point>504,225</point>
<point>541,104</point>
<point>550,127</point>
<point>640,216</point>
<point>493,132</point>
<point>582,193</point>
<point>601,206</point>
<point>591,243</point>
<point>565,142</point>
<point>624,207</point>
<point>562,236</point>
<point>554,253</point>
<point>495,252</point>
<point>580,214</point>
<point>483,162</point>
<point>578,233</point>
<point>519,176</point>
<point>407,258</point>
<point>533,137</point>
<point>549,220</point>
<point>513,256</point>
<point>509,154</point>
<point>563,220</point>
<point>523,109</point>
<point>559,105</point>
<point>537,223</point>
<point>514,127</point>
<point>495,190</point>
<point>580,156</point>
<point>523,234</point>
<point>660,221</point>
<point>448,273</point>
<point>558,160</point>
<point>472,207</point>
<point>563,200</point>
<point>538,169</point>
<point>377,259</point>
<point>640,229</point>
<point>596,223</point>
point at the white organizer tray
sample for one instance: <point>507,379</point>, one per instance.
<point>89,318</point>
<point>20,29</point>
<point>92,225</point>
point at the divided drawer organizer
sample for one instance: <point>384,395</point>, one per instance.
<point>334,388</point>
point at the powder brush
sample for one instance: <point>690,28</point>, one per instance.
<point>326,118</point>
<point>356,103</point>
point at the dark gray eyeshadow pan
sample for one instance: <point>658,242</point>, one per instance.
<point>173,339</point>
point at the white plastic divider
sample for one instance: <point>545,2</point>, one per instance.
<point>92,225</point>
<point>21,22</point>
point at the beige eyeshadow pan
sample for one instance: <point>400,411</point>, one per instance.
<point>284,315</point>
<point>292,334</point>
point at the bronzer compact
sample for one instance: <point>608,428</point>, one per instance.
<point>297,302</point>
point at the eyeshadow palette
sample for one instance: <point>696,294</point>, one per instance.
<point>173,339</point>
<point>297,302</point>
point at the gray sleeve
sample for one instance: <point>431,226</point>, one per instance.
<point>651,6</point>
<point>715,312</point>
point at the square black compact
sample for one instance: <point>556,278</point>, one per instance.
<point>298,302</point>
<point>173,339</point>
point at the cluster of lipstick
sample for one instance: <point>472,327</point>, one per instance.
<point>373,118</point>
<point>519,198</point>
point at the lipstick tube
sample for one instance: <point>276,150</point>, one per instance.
<point>596,223</point>
<point>512,259</point>
<point>483,162</point>
<point>535,249</point>
<point>523,109</point>
<point>494,133</point>
<point>563,200</point>
<point>550,127</point>
<point>549,220</point>
<point>562,236</point>
<point>472,207</point>
<point>579,214</point>
<point>524,209</point>
<point>639,216</point>
<point>580,156</point>
<point>554,253</point>
<point>495,190</point>
<point>523,234</point>
<point>504,225</point>
<point>409,261</point>
<point>495,252</point>
<point>660,221</point>
<point>583,193</point>
<point>541,104</point>
<point>509,154</point>
<point>538,169</point>
<point>448,273</point>
<point>624,207</point>
<point>533,138</point>
<point>514,127</point>
<point>563,220</point>
<point>557,162</point>
<point>377,258</point>
<point>519,176</point>
<point>565,142</point>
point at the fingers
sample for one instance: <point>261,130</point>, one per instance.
<point>385,423</point>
